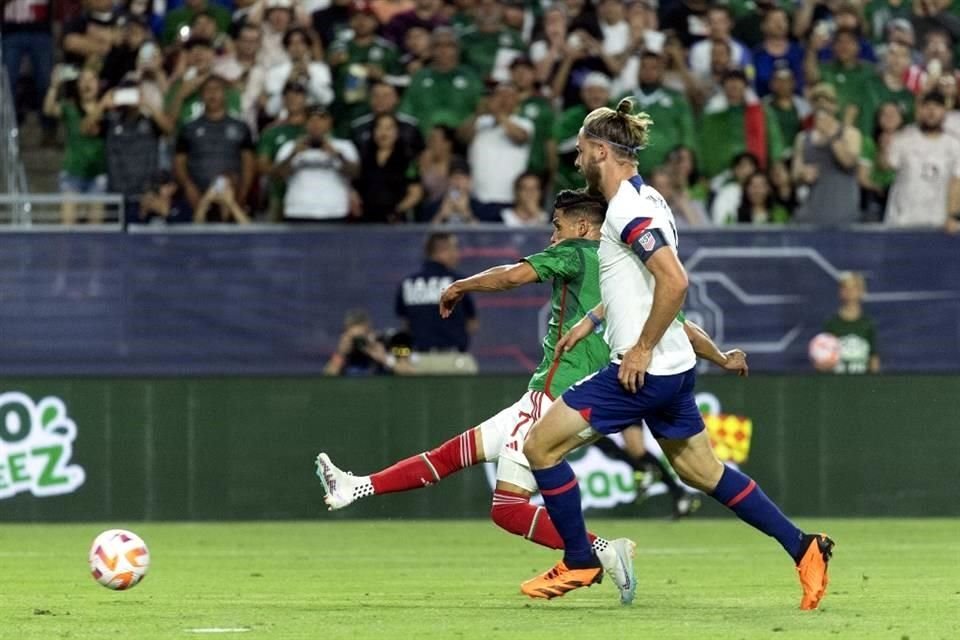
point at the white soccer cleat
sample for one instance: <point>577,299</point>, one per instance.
<point>617,561</point>
<point>337,485</point>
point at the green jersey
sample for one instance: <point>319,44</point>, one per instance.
<point>857,343</point>
<point>723,136</point>
<point>351,84</point>
<point>192,106</point>
<point>574,267</point>
<point>85,156</point>
<point>538,111</point>
<point>438,97</point>
<point>480,49</point>
<point>853,85</point>
<point>270,142</point>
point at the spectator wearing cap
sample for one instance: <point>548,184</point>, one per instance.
<point>883,15</point>
<point>318,168</point>
<point>291,127</point>
<point>489,46</point>
<point>456,204</point>
<point>669,109</point>
<point>719,26</point>
<point>888,86</point>
<point>384,100</point>
<point>926,189</point>
<point>499,150</point>
<point>183,101</point>
<point>182,16</point>
<point>300,67</point>
<point>428,14</point>
<point>790,109</point>
<point>90,36</point>
<point>446,92</point>
<point>214,145</point>
<point>594,93</point>
<point>846,72</point>
<point>826,159</point>
<point>777,51</point>
<point>388,184</point>
<point>734,122</point>
<point>538,110</point>
<point>358,61</point>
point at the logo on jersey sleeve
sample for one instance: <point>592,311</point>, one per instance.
<point>633,229</point>
<point>647,241</point>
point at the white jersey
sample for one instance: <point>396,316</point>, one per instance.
<point>626,286</point>
<point>925,165</point>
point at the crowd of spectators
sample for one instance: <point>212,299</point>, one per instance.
<point>826,112</point>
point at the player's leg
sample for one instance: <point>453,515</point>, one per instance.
<point>682,436</point>
<point>684,502</point>
<point>471,447</point>
<point>513,513</point>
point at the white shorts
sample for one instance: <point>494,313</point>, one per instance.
<point>505,433</point>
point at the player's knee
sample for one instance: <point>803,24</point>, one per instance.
<point>701,475</point>
<point>535,451</point>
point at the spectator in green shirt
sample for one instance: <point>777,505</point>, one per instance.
<point>735,122</point>
<point>182,16</point>
<point>874,176</point>
<point>594,93</point>
<point>446,92</point>
<point>84,170</point>
<point>850,76</point>
<point>670,110</point>
<point>275,136</point>
<point>854,329</point>
<point>488,44</point>
<point>358,61</point>
<point>790,110</point>
<point>537,109</point>
<point>889,86</point>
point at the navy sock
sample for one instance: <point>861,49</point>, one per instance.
<point>743,496</point>
<point>561,495</point>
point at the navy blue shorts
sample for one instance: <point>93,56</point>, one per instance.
<point>665,403</point>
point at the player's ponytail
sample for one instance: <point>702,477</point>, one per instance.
<point>627,133</point>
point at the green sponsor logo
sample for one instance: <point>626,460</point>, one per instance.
<point>36,444</point>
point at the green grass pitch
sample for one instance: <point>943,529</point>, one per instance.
<point>448,580</point>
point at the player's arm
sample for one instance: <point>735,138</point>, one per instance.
<point>590,323</point>
<point>706,348</point>
<point>500,278</point>
<point>669,292</point>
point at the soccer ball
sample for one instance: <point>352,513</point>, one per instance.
<point>824,350</point>
<point>119,559</point>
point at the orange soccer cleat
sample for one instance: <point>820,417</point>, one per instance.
<point>812,570</point>
<point>559,580</point>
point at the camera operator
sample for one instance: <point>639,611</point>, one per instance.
<point>360,352</point>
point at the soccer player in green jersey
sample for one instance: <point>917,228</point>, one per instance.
<point>571,262</point>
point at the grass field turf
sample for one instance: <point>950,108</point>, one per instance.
<point>459,579</point>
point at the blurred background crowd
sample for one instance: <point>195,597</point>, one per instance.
<point>766,112</point>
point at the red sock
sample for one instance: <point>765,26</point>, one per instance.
<point>424,469</point>
<point>513,512</point>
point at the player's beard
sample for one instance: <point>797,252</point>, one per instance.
<point>591,173</point>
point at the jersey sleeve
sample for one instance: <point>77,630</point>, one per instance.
<point>643,224</point>
<point>559,261</point>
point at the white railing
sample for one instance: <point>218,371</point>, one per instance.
<point>44,209</point>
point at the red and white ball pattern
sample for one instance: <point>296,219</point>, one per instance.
<point>824,350</point>
<point>119,559</point>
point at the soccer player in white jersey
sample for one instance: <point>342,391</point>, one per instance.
<point>652,371</point>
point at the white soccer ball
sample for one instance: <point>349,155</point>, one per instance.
<point>119,559</point>
<point>824,350</point>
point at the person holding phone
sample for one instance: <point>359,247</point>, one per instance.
<point>74,98</point>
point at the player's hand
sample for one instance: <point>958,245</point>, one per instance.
<point>570,339</point>
<point>449,299</point>
<point>736,361</point>
<point>633,368</point>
